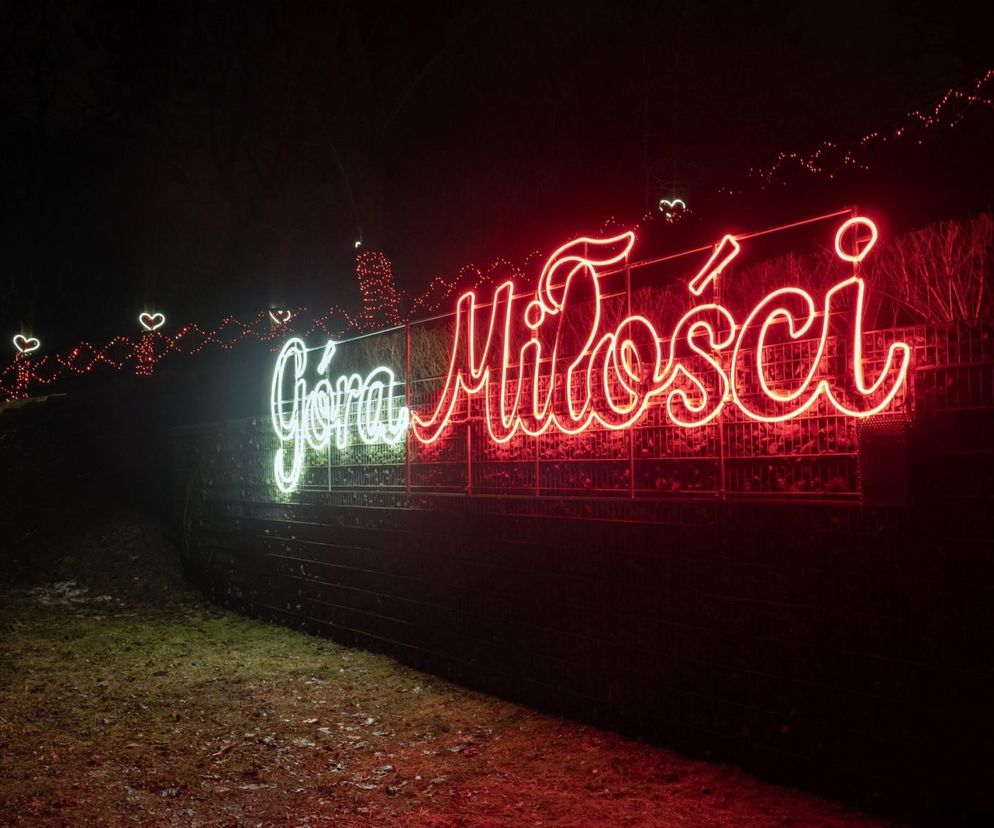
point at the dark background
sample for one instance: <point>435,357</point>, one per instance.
<point>214,158</point>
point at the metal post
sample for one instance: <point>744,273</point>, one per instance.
<point>722,490</point>
<point>631,431</point>
<point>469,451</point>
<point>537,440</point>
<point>407,402</point>
<point>719,420</point>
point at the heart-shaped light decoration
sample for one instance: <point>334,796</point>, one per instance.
<point>280,317</point>
<point>672,208</point>
<point>26,344</point>
<point>152,321</point>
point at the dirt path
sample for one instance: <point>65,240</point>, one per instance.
<point>125,699</point>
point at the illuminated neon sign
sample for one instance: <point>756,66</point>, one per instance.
<point>364,405</point>
<point>550,360</point>
<point>619,371</point>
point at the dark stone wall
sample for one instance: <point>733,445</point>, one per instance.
<point>839,647</point>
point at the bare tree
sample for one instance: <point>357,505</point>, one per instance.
<point>940,273</point>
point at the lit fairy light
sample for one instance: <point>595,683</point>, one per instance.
<point>832,157</point>
<point>380,298</point>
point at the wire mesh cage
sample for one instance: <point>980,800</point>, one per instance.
<point>815,454</point>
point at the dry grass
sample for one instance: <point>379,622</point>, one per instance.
<point>126,699</point>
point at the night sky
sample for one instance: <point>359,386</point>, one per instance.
<point>214,158</point>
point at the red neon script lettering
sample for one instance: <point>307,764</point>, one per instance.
<point>617,368</point>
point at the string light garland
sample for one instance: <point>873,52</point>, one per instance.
<point>381,301</point>
<point>440,289</point>
<point>831,157</point>
<point>120,352</point>
<point>821,161</point>
<point>152,345</point>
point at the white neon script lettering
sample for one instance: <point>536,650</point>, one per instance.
<point>310,418</point>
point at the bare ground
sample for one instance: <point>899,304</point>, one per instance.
<point>126,699</point>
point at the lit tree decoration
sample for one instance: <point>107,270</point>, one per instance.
<point>145,351</point>
<point>25,345</point>
<point>380,299</point>
<point>279,316</point>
